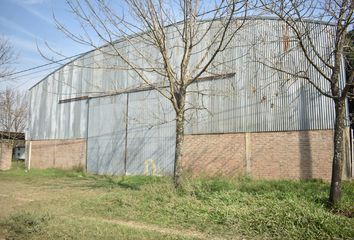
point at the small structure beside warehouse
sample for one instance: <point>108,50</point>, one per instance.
<point>9,142</point>
<point>18,152</point>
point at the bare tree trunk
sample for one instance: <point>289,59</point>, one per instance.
<point>338,155</point>
<point>179,153</point>
<point>178,178</point>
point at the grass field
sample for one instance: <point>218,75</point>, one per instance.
<point>57,204</point>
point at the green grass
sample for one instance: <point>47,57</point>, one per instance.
<point>18,170</point>
<point>223,207</point>
<point>33,226</point>
<point>273,209</point>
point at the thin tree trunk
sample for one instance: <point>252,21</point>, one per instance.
<point>179,152</point>
<point>338,156</point>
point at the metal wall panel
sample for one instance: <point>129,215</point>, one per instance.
<point>260,98</point>
<point>106,135</point>
<point>256,99</point>
<point>50,120</point>
<point>151,134</point>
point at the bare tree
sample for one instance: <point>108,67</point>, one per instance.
<point>349,51</point>
<point>336,16</point>
<point>12,104</point>
<point>167,45</point>
<point>13,112</point>
<point>7,57</point>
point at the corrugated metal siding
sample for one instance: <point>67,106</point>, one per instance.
<point>228,110</point>
<point>106,135</point>
<point>259,98</point>
<point>50,120</point>
<point>151,134</point>
<point>256,99</point>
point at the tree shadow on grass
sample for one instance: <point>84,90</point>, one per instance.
<point>127,182</point>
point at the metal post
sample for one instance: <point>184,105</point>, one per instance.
<point>29,155</point>
<point>126,136</point>
<point>87,129</point>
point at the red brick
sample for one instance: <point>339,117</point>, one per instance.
<point>63,154</point>
<point>272,155</point>
<point>5,155</point>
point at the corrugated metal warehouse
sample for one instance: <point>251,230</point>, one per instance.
<point>252,122</point>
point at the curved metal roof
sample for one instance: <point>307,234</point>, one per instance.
<point>119,40</point>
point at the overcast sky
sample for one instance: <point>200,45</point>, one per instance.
<point>28,23</point>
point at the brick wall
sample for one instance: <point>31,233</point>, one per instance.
<point>266,155</point>
<point>64,154</point>
<point>214,154</point>
<point>5,155</point>
<point>292,155</point>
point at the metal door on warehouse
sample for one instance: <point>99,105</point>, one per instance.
<point>130,134</point>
